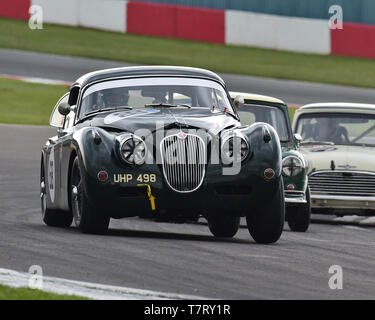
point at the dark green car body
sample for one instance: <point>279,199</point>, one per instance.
<point>117,190</point>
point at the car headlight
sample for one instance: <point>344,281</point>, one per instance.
<point>234,149</point>
<point>132,149</point>
<point>292,166</point>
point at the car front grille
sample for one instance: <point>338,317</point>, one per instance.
<point>184,161</point>
<point>343,183</point>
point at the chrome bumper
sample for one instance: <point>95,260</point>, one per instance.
<point>342,202</point>
<point>295,197</point>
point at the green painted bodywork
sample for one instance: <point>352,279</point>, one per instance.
<point>289,148</point>
<point>241,193</point>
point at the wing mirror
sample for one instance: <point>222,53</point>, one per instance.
<point>64,108</point>
<point>298,138</point>
<point>239,102</point>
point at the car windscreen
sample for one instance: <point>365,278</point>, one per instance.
<point>338,128</point>
<point>251,113</point>
<point>142,92</point>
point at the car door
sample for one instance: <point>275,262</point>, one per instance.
<point>53,154</point>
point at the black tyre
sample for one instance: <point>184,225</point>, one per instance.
<point>267,223</point>
<point>224,225</point>
<point>87,218</point>
<point>298,217</point>
<point>52,218</point>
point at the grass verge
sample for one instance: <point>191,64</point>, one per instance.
<point>7,293</point>
<point>220,58</point>
<point>27,103</point>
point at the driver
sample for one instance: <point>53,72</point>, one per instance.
<point>329,129</point>
<point>114,97</point>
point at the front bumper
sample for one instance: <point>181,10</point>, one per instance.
<point>237,194</point>
<point>320,201</point>
<point>294,197</point>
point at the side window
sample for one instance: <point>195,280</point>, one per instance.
<point>57,119</point>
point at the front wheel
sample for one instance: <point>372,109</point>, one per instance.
<point>87,218</point>
<point>223,225</point>
<point>298,217</point>
<point>267,223</point>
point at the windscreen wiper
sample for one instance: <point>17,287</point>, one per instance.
<point>166,105</point>
<point>95,112</point>
<point>109,109</point>
<point>327,143</point>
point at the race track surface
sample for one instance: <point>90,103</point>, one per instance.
<point>173,258</point>
<point>21,63</point>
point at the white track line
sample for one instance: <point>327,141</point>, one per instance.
<point>36,80</point>
<point>96,291</point>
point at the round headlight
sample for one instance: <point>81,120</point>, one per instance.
<point>292,166</point>
<point>234,149</point>
<point>133,150</point>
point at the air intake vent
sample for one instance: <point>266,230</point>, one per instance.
<point>184,161</point>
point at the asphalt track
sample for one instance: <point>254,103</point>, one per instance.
<point>20,63</point>
<point>174,258</point>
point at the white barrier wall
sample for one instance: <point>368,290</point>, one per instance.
<point>276,32</point>
<point>106,15</point>
<point>59,11</point>
<point>241,28</point>
<point>99,14</point>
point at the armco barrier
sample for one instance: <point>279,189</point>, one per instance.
<point>357,11</point>
<point>16,9</point>
<point>277,31</point>
<point>176,21</point>
<point>354,40</point>
<point>151,19</point>
<point>60,12</point>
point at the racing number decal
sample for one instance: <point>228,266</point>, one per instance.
<point>146,178</point>
<point>51,175</point>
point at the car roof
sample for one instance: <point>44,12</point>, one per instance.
<point>255,97</point>
<point>329,106</point>
<point>147,71</point>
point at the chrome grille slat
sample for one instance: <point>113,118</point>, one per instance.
<point>183,161</point>
<point>346,183</point>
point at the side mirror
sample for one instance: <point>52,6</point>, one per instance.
<point>239,101</point>
<point>298,138</point>
<point>64,108</point>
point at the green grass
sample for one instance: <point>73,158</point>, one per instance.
<point>27,103</point>
<point>7,293</point>
<point>151,50</point>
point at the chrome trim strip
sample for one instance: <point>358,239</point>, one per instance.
<point>295,200</point>
<point>341,198</point>
<point>342,171</point>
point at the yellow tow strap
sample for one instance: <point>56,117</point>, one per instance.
<point>150,196</point>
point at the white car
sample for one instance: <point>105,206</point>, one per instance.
<point>338,141</point>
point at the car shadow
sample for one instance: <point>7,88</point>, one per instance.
<point>173,236</point>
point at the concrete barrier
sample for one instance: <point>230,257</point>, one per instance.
<point>276,32</point>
